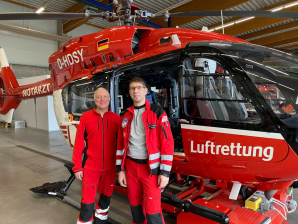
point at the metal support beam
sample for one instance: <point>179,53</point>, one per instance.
<point>169,22</point>
<point>110,9</point>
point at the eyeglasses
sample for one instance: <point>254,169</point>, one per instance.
<point>137,87</point>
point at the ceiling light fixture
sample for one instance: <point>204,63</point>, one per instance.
<point>242,20</point>
<point>277,9</point>
<point>287,6</point>
<point>40,10</point>
<point>230,24</point>
<point>236,22</point>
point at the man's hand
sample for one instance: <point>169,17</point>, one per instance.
<point>79,175</point>
<point>122,179</point>
<point>162,181</point>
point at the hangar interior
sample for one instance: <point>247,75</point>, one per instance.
<point>36,154</point>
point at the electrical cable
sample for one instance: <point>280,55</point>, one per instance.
<point>279,213</point>
<point>284,211</point>
<point>282,205</point>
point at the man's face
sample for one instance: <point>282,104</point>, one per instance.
<point>102,99</point>
<point>137,91</point>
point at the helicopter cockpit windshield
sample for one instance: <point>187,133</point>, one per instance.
<point>273,72</point>
<point>275,75</point>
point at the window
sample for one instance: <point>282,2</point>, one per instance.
<point>78,96</point>
<point>275,85</point>
<point>208,92</point>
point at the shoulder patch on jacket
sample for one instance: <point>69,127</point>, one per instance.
<point>158,110</point>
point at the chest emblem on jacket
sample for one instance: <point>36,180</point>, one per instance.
<point>124,122</point>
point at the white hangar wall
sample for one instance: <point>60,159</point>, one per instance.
<point>29,50</point>
<point>38,113</point>
<point>26,49</point>
<point>28,57</point>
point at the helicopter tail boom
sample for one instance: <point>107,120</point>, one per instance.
<point>8,83</point>
<point>11,93</point>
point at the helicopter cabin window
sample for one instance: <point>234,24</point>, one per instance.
<point>208,92</point>
<point>78,96</point>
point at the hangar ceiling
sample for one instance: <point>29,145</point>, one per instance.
<point>271,32</point>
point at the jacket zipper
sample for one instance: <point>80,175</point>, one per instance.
<point>164,132</point>
<point>126,147</point>
<point>103,144</point>
<point>97,124</point>
<point>148,151</point>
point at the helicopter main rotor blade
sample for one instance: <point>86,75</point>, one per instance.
<point>48,16</point>
<point>276,14</point>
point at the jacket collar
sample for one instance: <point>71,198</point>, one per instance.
<point>98,113</point>
<point>147,106</point>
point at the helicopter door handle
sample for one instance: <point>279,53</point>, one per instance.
<point>128,56</point>
<point>120,100</point>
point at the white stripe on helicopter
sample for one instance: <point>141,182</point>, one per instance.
<point>233,131</point>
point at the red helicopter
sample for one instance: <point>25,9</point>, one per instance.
<point>235,148</point>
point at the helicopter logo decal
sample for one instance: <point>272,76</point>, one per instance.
<point>103,44</point>
<point>69,59</point>
<point>234,150</point>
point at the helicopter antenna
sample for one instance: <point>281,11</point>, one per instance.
<point>223,29</point>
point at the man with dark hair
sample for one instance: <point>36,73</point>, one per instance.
<point>147,143</point>
<point>97,138</point>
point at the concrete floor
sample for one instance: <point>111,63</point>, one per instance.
<point>22,169</point>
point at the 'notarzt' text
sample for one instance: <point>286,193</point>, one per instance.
<point>37,90</point>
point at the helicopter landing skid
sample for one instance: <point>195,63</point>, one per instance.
<point>59,189</point>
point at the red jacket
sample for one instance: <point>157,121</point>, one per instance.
<point>159,139</point>
<point>97,138</point>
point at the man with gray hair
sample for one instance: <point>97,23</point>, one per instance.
<point>96,140</point>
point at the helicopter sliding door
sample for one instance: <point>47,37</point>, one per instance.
<point>161,77</point>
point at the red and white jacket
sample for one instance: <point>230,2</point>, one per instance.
<point>97,138</point>
<point>159,139</point>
